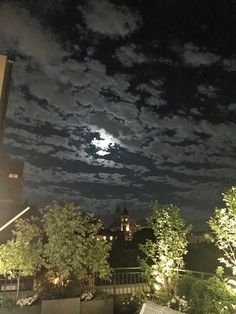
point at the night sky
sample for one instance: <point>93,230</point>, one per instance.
<point>123,101</point>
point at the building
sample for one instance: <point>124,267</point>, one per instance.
<point>197,237</point>
<point>116,219</point>
<point>5,73</point>
<point>123,223</point>
<point>11,183</point>
<point>11,170</point>
<point>107,235</point>
<point>11,179</point>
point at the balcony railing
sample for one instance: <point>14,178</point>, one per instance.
<point>122,281</point>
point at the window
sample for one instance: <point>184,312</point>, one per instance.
<point>13,175</point>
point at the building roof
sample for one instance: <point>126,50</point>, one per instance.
<point>125,211</point>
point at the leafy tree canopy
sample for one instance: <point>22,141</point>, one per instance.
<point>223,228</point>
<point>72,245</point>
<point>164,255</point>
<point>21,256</point>
<point>65,242</point>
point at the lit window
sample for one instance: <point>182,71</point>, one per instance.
<point>111,238</point>
<point>126,219</point>
<point>13,175</point>
<point>104,238</point>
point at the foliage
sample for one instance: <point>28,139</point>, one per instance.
<point>134,303</point>
<point>179,304</point>
<point>72,248</point>
<point>27,300</point>
<point>86,296</point>
<point>66,245</point>
<point>21,256</point>
<point>164,256</point>
<point>223,227</point>
<point>101,295</point>
<point>7,303</point>
<point>211,296</point>
<point>51,291</point>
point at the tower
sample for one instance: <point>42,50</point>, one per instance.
<point>125,225</point>
<point>115,224</point>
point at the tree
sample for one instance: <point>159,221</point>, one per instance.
<point>164,255</point>
<point>95,260</point>
<point>22,256</point>
<point>223,228</point>
<point>72,248</point>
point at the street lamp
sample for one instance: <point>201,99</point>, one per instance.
<point>14,218</point>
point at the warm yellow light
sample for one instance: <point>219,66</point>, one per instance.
<point>55,281</point>
<point>232,284</point>
<point>157,286</point>
<point>13,175</point>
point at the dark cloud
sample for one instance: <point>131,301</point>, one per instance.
<point>105,116</point>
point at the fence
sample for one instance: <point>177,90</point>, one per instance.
<point>122,281</point>
<point>8,287</point>
<point>11,284</point>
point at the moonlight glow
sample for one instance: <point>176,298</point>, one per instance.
<point>105,142</point>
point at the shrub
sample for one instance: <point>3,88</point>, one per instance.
<point>7,303</point>
<point>101,295</point>
<point>27,300</point>
<point>51,291</point>
<point>133,304</point>
<point>211,296</point>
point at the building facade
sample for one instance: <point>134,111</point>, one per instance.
<point>11,170</point>
<point>123,223</point>
<point>11,179</point>
<point>5,73</point>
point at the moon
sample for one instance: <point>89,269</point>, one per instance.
<point>104,142</point>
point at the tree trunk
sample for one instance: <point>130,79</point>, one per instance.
<point>90,283</point>
<point>18,288</point>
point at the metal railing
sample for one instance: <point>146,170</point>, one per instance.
<point>11,284</point>
<point>8,287</point>
<point>123,281</point>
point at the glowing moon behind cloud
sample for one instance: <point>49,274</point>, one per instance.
<point>105,142</point>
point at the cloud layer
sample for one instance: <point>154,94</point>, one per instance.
<point>97,127</point>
